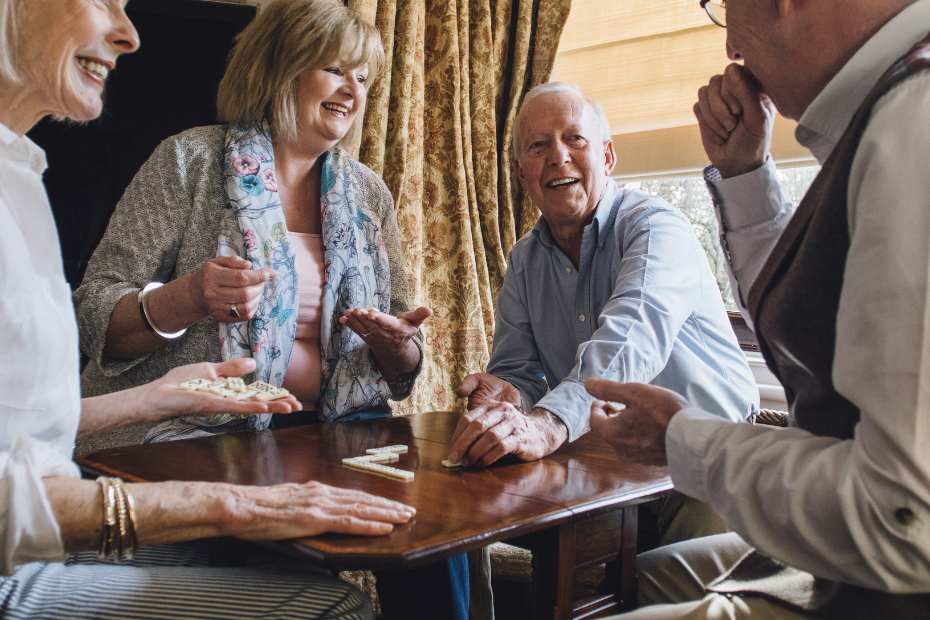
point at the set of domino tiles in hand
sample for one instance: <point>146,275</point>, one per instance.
<point>235,388</point>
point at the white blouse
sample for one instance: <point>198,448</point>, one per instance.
<point>40,404</point>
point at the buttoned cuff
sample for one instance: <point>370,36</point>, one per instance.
<point>687,440</point>
<point>28,523</point>
<point>571,403</point>
<point>738,198</point>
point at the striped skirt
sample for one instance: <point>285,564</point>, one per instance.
<point>173,582</point>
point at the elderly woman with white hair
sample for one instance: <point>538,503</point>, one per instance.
<point>54,59</point>
<point>263,238</point>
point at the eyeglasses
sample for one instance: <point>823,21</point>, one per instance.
<point>716,10</point>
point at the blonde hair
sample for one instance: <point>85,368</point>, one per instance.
<point>8,41</point>
<point>287,38</point>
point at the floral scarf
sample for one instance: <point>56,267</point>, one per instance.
<point>356,273</point>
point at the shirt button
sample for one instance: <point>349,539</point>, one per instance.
<point>904,516</point>
<point>581,318</point>
<point>568,270</point>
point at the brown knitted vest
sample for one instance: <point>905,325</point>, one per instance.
<point>794,304</point>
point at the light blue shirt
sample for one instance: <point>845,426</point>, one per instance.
<point>642,307</point>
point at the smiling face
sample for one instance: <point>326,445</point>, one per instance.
<point>328,100</point>
<point>563,163</point>
<point>65,49</point>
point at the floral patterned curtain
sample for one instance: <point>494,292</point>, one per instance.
<point>438,129</point>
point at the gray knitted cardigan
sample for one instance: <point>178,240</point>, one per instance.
<point>166,226</point>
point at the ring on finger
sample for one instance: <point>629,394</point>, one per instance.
<point>233,312</point>
<point>365,335</point>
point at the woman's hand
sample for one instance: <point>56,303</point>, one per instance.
<point>384,331</point>
<point>169,512</point>
<point>165,398</point>
<point>294,510</point>
<point>390,337</point>
<point>228,289</point>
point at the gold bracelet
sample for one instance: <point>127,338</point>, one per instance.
<point>129,543</point>
<point>118,538</point>
<point>109,518</point>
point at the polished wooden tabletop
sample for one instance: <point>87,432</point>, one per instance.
<point>458,509</point>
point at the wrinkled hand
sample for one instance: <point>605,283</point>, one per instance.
<point>296,510</point>
<point>227,280</point>
<point>736,119</point>
<point>482,388</point>
<point>636,433</point>
<point>163,398</point>
<point>496,429</point>
<point>382,331</point>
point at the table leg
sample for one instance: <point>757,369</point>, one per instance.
<point>559,551</point>
<point>620,574</point>
<point>554,573</point>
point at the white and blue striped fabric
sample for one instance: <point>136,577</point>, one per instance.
<point>173,582</point>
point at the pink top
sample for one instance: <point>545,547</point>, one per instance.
<point>304,370</point>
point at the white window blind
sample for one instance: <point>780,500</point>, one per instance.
<point>644,62</point>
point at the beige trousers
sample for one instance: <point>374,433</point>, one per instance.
<point>672,580</point>
<point>682,518</point>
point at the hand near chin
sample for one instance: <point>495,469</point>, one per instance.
<point>736,119</point>
<point>636,433</point>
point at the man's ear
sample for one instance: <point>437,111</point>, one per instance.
<point>519,170</point>
<point>610,156</point>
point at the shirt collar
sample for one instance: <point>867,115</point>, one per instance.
<point>601,216</point>
<point>21,149</point>
<point>826,119</point>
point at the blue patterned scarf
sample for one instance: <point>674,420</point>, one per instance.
<point>356,273</point>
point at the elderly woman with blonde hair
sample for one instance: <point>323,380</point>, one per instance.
<point>54,59</point>
<point>263,238</point>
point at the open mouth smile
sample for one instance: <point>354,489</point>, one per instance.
<point>337,109</point>
<point>96,68</point>
<point>559,183</point>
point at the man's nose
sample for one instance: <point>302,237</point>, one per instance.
<point>732,54</point>
<point>558,154</point>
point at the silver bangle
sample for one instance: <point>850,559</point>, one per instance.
<point>147,318</point>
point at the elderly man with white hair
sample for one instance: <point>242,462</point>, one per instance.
<point>610,283</point>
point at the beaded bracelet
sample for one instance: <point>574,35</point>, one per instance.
<point>118,539</point>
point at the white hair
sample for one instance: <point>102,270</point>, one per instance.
<point>603,126</point>
<point>7,41</point>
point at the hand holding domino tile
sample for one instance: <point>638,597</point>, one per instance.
<point>164,398</point>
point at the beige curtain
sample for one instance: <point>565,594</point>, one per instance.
<point>437,129</point>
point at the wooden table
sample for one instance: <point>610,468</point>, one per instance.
<point>572,509</point>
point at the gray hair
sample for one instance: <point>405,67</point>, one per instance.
<point>8,41</point>
<point>287,38</point>
<point>603,126</point>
